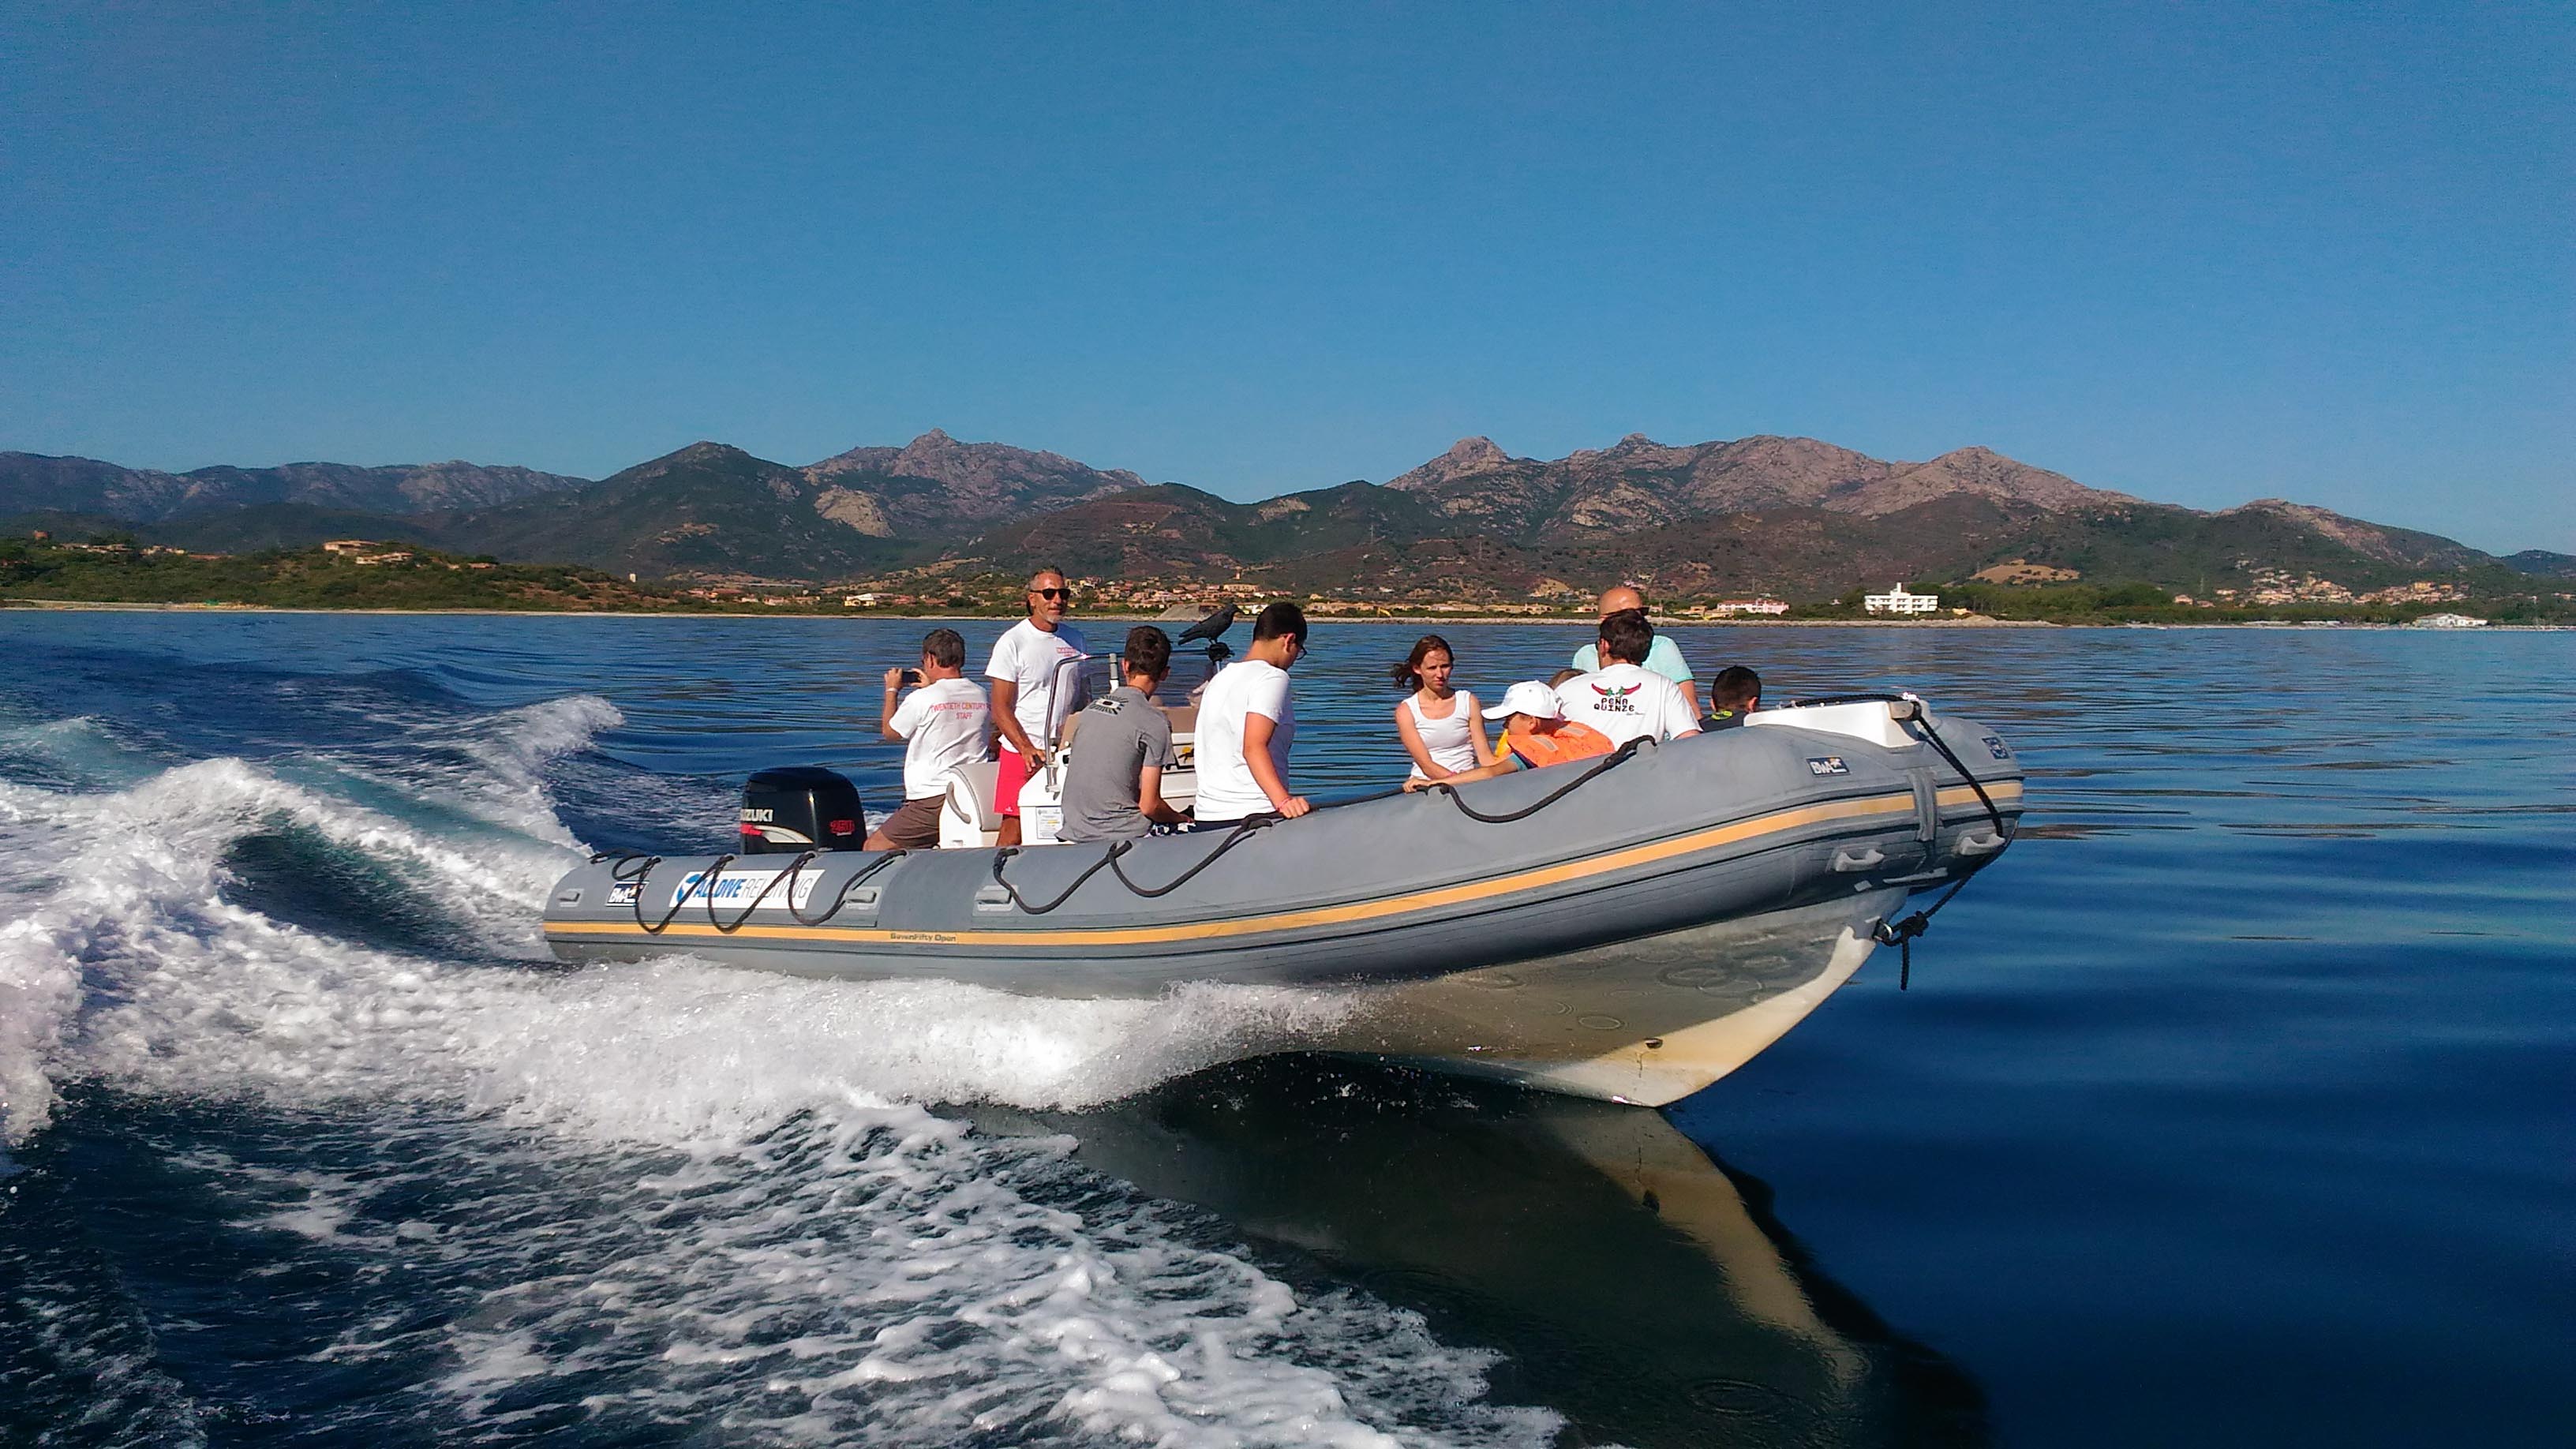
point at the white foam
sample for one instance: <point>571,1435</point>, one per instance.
<point>878,1275</point>
<point>514,747</point>
<point>722,1198</point>
<point>210,997</point>
<point>79,750</point>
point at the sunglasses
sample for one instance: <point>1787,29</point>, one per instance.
<point>1053,593</point>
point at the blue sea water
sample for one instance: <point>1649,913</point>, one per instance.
<point>2236,1104</point>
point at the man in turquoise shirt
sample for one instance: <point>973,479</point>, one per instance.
<point>1664,659</point>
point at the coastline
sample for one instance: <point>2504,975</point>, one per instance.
<point>103,606</point>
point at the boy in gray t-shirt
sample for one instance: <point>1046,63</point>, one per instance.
<point>1113,782</point>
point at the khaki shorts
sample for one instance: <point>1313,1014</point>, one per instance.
<point>915,826</point>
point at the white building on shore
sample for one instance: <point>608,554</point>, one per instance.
<point>1898,601</point>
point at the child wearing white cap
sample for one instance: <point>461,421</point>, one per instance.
<point>1536,733</point>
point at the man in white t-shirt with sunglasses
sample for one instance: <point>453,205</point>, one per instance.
<point>1023,672</point>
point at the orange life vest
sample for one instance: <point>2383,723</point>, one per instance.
<point>1568,741</point>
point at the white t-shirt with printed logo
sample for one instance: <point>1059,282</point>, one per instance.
<point>1027,656</point>
<point>943,725</point>
<point>1242,689</point>
<point>1626,702</point>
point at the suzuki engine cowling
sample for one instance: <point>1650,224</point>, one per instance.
<point>801,807</point>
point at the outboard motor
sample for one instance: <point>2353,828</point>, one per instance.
<point>801,807</point>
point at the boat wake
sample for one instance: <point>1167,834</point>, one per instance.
<point>636,1195</point>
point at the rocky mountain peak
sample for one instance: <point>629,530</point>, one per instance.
<point>1467,455</point>
<point>935,482</point>
<point>930,451</point>
<point>1982,472</point>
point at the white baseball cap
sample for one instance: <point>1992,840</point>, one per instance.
<point>1527,697</point>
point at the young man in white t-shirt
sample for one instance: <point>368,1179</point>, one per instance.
<point>945,723</point>
<point>1023,671</point>
<point>1623,699</point>
<point>1663,656</point>
<point>1246,726</point>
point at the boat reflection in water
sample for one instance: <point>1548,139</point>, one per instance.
<point>1631,1283</point>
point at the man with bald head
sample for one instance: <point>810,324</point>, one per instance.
<point>1665,658</point>
<point>1023,671</point>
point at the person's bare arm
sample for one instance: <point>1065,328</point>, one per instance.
<point>885,712</point>
<point>1149,797</point>
<point>1257,730</point>
<point>1423,764</point>
<point>1006,719</point>
<point>1503,764</point>
<point>1690,696</point>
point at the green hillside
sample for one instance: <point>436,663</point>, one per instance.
<point>309,579</point>
<point>705,510</point>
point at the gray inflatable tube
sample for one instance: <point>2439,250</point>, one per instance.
<point>1630,929</point>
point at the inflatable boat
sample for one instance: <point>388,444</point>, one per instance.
<point>1629,928</point>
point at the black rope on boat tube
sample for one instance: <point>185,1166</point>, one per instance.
<point>708,881</point>
<point>1931,736</point>
<point>1242,832</point>
<point>639,869</point>
<point>642,875</point>
<point>1901,933</point>
<point>1616,757</point>
<point>1109,858</point>
<point>1006,852</point>
<point>857,877</point>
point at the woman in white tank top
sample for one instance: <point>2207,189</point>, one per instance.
<point>1439,725</point>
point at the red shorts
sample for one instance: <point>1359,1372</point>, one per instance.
<point>1008,780</point>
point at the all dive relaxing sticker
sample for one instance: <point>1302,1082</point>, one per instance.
<point>1828,765</point>
<point>737,889</point>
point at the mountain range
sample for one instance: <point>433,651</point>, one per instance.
<point>30,482</point>
<point>1789,516</point>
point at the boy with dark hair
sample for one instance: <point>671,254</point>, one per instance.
<point>1660,656</point>
<point>1113,783</point>
<point>945,723</point>
<point>1277,619</point>
<point>1735,693</point>
<point>1246,725</point>
<point>1623,699</point>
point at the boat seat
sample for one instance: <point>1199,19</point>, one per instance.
<point>971,794</point>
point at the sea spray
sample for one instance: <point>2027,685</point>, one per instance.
<point>665,1191</point>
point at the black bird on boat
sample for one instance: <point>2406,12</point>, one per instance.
<point>1212,629</point>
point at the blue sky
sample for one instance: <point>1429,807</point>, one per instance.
<point>2198,253</point>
